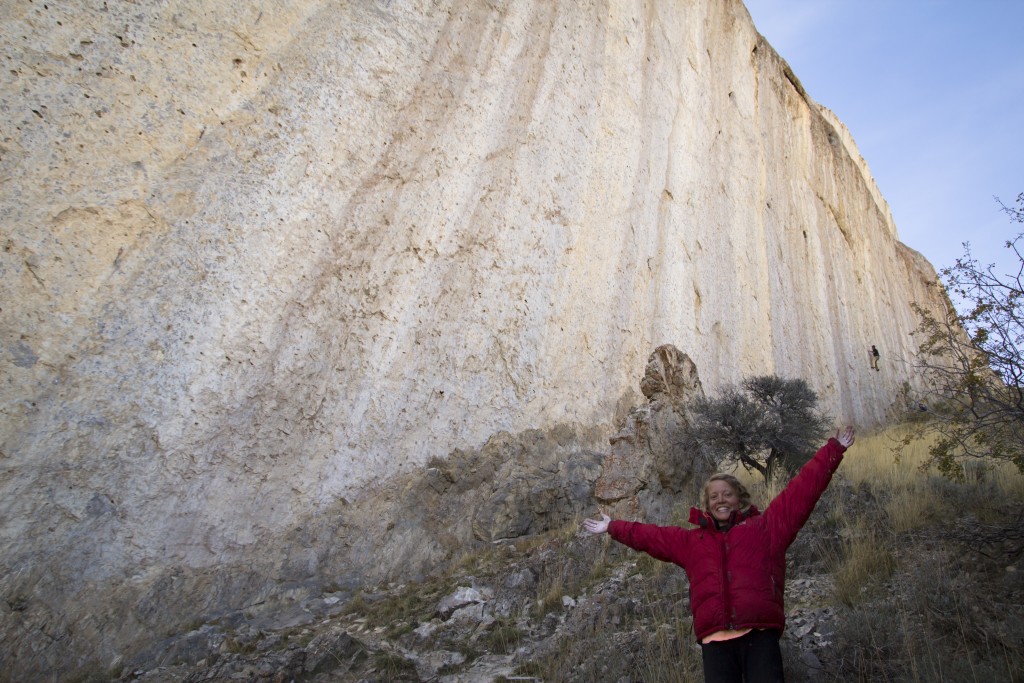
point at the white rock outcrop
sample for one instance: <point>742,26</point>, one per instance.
<point>257,255</point>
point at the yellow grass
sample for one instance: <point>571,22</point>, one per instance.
<point>876,510</point>
<point>906,611</point>
<point>871,459</point>
<point>911,497</point>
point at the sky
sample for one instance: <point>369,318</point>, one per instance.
<point>933,94</point>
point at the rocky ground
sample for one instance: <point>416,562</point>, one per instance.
<point>554,607</point>
<point>508,589</point>
<point>563,606</point>
<point>514,591</point>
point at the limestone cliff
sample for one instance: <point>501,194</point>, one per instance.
<point>260,256</point>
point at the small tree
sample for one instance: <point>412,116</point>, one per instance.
<point>972,362</point>
<point>767,424</point>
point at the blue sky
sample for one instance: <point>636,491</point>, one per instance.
<point>933,93</point>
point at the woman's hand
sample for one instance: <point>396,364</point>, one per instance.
<point>597,526</point>
<point>845,437</point>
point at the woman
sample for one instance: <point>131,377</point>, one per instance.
<point>735,560</point>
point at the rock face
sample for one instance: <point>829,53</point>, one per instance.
<point>649,458</point>
<point>258,258</point>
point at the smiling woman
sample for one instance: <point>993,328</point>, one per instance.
<point>724,495</point>
<point>735,560</point>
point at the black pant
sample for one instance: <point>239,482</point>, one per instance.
<point>751,658</point>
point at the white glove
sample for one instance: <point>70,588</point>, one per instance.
<point>845,437</point>
<point>597,526</point>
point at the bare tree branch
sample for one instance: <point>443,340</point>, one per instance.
<point>973,363</point>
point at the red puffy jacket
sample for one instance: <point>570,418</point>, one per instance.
<point>737,576</point>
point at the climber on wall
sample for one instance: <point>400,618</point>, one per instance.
<point>874,357</point>
<point>735,560</point>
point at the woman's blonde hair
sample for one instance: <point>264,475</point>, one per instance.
<point>741,491</point>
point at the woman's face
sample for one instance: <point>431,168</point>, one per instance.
<point>723,500</point>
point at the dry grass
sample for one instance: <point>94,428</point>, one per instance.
<point>865,563</point>
<point>912,497</point>
<point>915,498</point>
<point>871,459</point>
<point>912,600</point>
<point>924,602</point>
<point>669,652</point>
<point>549,598</point>
<point>922,595</point>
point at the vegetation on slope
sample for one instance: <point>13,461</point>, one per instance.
<point>972,361</point>
<point>901,575</point>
